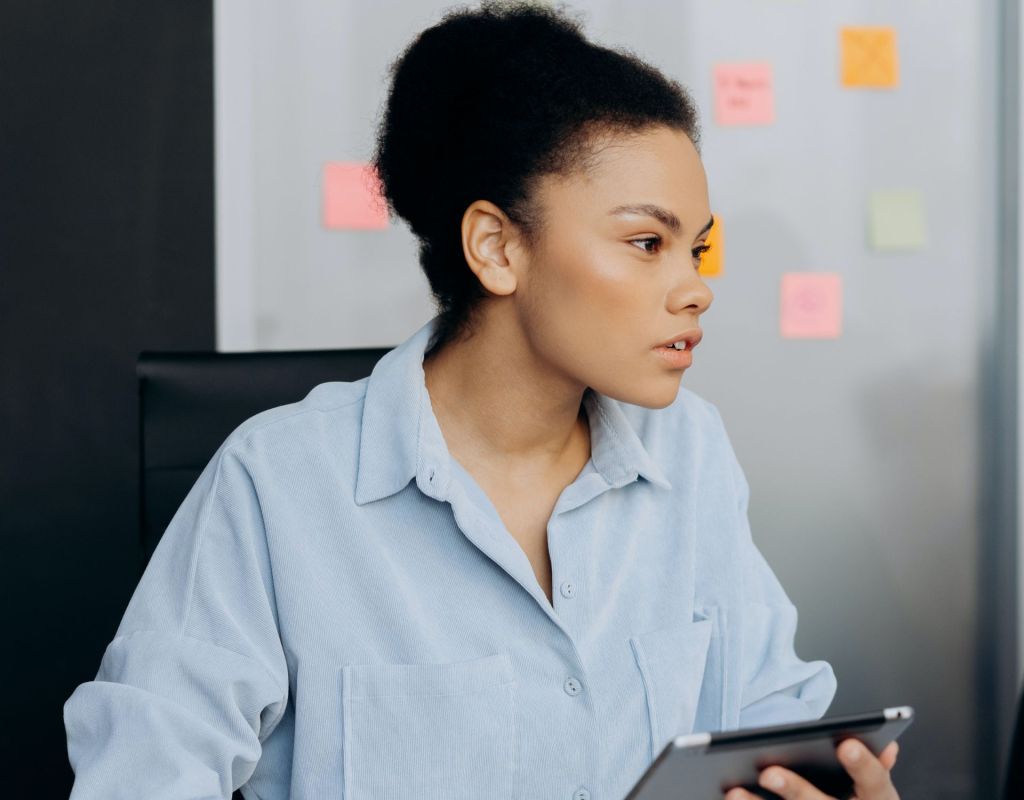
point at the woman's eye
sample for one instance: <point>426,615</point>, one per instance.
<point>648,239</point>
<point>698,252</point>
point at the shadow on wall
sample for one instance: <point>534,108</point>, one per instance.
<point>922,559</point>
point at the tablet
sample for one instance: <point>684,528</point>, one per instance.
<point>704,766</point>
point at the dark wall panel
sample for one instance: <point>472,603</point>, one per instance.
<point>106,249</point>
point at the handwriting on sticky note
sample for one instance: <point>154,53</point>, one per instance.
<point>352,196</point>
<point>744,94</point>
<point>869,57</point>
<point>896,220</point>
<point>812,305</point>
<point>711,260</point>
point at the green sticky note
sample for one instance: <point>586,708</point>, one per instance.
<point>896,220</point>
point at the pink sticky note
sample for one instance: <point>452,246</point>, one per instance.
<point>812,305</point>
<point>744,94</point>
<point>352,196</point>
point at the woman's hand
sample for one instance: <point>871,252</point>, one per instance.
<point>870,775</point>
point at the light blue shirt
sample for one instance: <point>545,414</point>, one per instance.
<point>337,611</point>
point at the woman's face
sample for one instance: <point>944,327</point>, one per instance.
<point>605,287</point>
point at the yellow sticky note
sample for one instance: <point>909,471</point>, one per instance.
<point>869,57</point>
<point>711,261</point>
<point>896,220</point>
<point>352,197</point>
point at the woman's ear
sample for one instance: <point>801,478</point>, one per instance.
<point>489,247</point>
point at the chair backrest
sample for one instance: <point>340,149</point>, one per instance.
<point>190,401</point>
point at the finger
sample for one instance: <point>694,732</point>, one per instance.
<point>888,755</point>
<point>790,785</point>
<point>738,794</point>
<point>870,777</point>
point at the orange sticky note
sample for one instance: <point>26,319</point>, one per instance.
<point>869,57</point>
<point>744,94</point>
<point>812,305</point>
<point>352,197</point>
<point>711,261</point>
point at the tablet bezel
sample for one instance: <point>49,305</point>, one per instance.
<point>793,731</point>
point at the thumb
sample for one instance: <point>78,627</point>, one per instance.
<point>888,755</point>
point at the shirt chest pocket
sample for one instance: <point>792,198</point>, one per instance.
<point>429,730</point>
<point>672,662</point>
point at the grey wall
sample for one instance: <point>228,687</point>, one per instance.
<point>866,455</point>
<point>863,453</point>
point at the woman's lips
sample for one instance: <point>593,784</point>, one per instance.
<point>678,359</point>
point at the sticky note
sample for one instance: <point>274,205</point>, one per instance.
<point>896,220</point>
<point>812,305</point>
<point>711,260</point>
<point>744,94</point>
<point>352,197</point>
<point>869,57</point>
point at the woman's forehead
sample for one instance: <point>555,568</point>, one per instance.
<point>661,168</point>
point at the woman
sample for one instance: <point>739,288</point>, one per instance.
<point>515,560</point>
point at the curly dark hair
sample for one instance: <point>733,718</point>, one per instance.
<point>484,103</point>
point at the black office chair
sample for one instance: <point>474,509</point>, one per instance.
<point>189,402</point>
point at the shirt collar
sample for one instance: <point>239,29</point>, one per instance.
<point>400,438</point>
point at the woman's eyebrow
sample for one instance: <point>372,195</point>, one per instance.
<point>663,215</point>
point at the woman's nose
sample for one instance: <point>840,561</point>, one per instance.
<point>693,293</point>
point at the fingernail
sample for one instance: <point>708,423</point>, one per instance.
<point>772,780</point>
<point>853,752</point>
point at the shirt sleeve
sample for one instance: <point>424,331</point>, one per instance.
<point>195,678</point>
<point>778,687</point>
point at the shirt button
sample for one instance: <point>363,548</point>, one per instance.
<point>568,589</point>
<point>572,687</point>
<point>581,794</point>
